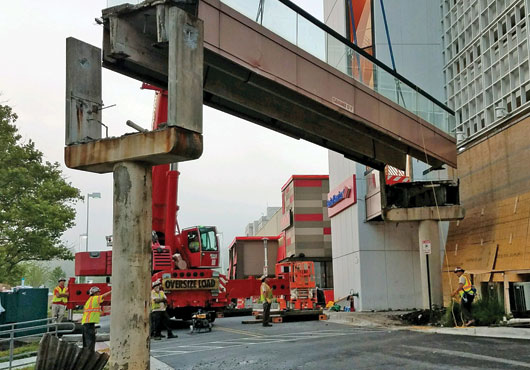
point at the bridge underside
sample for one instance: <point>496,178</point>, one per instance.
<point>256,75</point>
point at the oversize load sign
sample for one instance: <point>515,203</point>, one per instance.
<point>191,284</point>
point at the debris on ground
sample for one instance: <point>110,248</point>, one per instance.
<point>423,317</point>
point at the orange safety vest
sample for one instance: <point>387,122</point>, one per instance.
<point>57,300</point>
<point>92,310</point>
<point>467,287</point>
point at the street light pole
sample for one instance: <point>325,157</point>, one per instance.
<point>88,196</point>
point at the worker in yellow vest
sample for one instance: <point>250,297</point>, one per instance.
<point>91,313</point>
<point>159,317</point>
<point>266,298</point>
<point>467,294</point>
<point>59,300</point>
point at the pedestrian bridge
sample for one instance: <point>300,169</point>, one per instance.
<point>277,66</point>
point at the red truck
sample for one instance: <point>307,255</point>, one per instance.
<point>185,260</point>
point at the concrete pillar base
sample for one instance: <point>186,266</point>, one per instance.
<point>131,265</point>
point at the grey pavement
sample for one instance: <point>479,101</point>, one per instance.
<point>328,345</point>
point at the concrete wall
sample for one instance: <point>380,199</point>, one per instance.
<point>273,226</point>
<point>379,260</point>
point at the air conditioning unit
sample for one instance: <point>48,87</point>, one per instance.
<point>521,297</point>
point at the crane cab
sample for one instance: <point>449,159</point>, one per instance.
<point>200,245</point>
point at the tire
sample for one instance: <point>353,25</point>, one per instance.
<point>211,316</point>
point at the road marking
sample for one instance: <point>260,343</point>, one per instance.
<point>236,331</point>
<point>471,355</point>
<point>240,342</point>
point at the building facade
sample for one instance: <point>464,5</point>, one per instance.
<point>377,259</point>
<point>487,80</point>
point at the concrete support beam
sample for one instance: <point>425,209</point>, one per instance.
<point>185,75</point>
<point>429,231</point>
<point>154,147</point>
<point>131,265</point>
<point>443,213</point>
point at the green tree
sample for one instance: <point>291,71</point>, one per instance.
<point>55,275</point>
<point>36,203</point>
<point>35,274</point>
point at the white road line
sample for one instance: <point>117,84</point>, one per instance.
<point>261,343</point>
<point>471,355</point>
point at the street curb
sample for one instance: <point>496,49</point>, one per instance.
<point>483,332</point>
<point>159,365</point>
<point>479,331</point>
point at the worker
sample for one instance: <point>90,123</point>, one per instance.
<point>193,242</point>
<point>91,313</point>
<point>159,316</point>
<point>467,294</point>
<point>59,300</point>
<point>266,298</point>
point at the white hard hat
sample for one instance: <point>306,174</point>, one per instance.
<point>94,290</point>
<point>157,282</point>
<point>61,279</point>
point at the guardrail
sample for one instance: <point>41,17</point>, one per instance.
<point>48,325</point>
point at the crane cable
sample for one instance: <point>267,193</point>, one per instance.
<point>443,237</point>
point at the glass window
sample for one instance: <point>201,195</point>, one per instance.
<point>208,239</point>
<point>193,242</point>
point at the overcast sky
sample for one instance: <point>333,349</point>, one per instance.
<point>243,166</point>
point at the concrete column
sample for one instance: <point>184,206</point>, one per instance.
<point>428,230</point>
<point>185,74</point>
<point>131,267</point>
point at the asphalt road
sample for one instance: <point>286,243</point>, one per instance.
<point>325,345</point>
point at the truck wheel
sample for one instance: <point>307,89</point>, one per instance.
<point>211,316</point>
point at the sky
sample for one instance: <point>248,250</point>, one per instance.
<point>240,173</point>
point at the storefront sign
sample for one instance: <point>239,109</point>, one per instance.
<point>342,197</point>
<point>338,197</point>
<point>190,284</point>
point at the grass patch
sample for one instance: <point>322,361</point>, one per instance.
<point>28,349</point>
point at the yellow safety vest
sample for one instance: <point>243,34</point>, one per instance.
<point>467,287</point>
<point>267,294</point>
<point>155,295</point>
<point>57,300</point>
<point>92,310</point>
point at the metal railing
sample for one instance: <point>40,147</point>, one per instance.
<point>297,26</point>
<point>11,332</point>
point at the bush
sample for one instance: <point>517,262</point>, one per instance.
<point>448,320</point>
<point>486,311</point>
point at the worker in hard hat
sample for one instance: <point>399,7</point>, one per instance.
<point>59,300</point>
<point>159,316</point>
<point>91,313</point>
<point>467,294</point>
<point>266,298</point>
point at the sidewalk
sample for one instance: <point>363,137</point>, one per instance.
<point>387,321</point>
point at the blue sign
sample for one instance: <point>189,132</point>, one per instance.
<point>340,196</point>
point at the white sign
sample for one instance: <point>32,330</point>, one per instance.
<point>426,246</point>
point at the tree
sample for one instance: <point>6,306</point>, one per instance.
<point>36,274</point>
<point>55,275</point>
<point>36,202</point>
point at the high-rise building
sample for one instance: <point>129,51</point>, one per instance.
<point>487,78</point>
<point>487,83</point>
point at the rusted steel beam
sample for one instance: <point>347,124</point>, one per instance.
<point>154,147</point>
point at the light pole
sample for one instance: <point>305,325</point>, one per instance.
<point>88,196</point>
